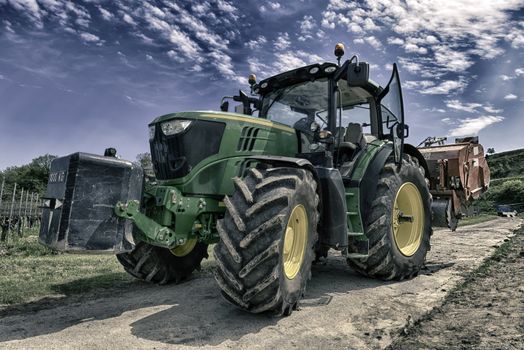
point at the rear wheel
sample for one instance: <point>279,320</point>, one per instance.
<point>398,225</point>
<point>161,265</point>
<point>267,239</point>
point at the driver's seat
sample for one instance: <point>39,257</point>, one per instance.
<point>355,135</point>
<point>353,140</point>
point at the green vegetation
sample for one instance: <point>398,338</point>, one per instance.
<point>29,270</point>
<point>507,164</point>
<point>507,181</point>
<point>32,177</point>
<point>471,220</point>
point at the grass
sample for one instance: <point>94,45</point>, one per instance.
<point>29,271</point>
<point>471,220</point>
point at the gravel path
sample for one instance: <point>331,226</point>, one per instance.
<point>341,310</point>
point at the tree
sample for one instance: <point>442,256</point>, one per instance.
<point>31,177</point>
<point>491,150</point>
<point>144,160</point>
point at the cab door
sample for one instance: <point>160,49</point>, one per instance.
<point>392,114</point>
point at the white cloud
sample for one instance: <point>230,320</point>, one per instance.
<point>472,126</point>
<point>449,36</point>
<point>149,57</point>
<point>90,38</point>
<point>505,77</point>
<point>184,42</point>
<point>374,42</point>
<point>516,37</point>
<point>285,61</point>
<point>451,59</point>
<point>493,110</point>
<point>105,14</point>
<point>519,72</point>
<point>510,97</point>
<point>415,48</point>
<point>226,6</point>
<point>395,41</point>
<point>358,41</point>
<point>29,8</point>
<point>370,25</point>
<point>128,19</point>
<point>417,84</point>
<point>273,5</point>
<point>175,56</point>
<point>256,43</point>
<point>460,106</point>
<point>282,42</point>
<point>307,24</point>
<point>444,88</point>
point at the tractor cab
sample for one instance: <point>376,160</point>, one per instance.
<point>333,108</point>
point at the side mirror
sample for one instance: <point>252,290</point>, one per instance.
<point>358,74</point>
<point>224,106</point>
<point>402,130</point>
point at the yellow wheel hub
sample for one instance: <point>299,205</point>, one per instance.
<point>295,241</point>
<point>408,219</point>
<point>184,249</point>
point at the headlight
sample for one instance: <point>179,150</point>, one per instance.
<point>173,127</point>
<point>151,132</point>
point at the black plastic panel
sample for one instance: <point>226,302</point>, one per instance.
<point>174,156</point>
<point>333,226</point>
<point>79,201</point>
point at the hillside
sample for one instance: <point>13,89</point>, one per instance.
<point>506,164</point>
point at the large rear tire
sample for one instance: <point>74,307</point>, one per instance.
<point>160,265</point>
<point>267,240</point>
<point>398,224</point>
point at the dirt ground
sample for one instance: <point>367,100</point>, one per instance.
<point>341,310</point>
<point>486,312</point>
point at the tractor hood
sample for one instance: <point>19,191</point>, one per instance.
<point>187,147</point>
<point>221,117</point>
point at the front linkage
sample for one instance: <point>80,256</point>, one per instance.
<point>171,219</point>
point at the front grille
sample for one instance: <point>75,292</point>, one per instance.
<point>175,155</point>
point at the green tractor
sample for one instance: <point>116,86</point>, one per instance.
<point>323,165</point>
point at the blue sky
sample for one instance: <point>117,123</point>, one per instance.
<point>86,75</point>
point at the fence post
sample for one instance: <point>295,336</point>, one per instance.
<point>2,194</point>
<point>31,205</point>
<point>10,214</point>
<point>19,221</point>
<point>25,208</point>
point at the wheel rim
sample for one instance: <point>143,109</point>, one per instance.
<point>295,241</point>
<point>184,249</point>
<point>408,219</point>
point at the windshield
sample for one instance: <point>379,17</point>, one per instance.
<point>291,103</point>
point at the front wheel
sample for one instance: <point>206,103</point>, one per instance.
<point>398,224</point>
<point>161,265</point>
<point>267,240</point>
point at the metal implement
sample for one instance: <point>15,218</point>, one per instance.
<point>458,174</point>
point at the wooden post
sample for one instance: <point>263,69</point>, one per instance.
<point>2,195</point>
<point>31,204</point>
<point>25,208</point>
<point>10,214</point>
<point>19,221</point>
